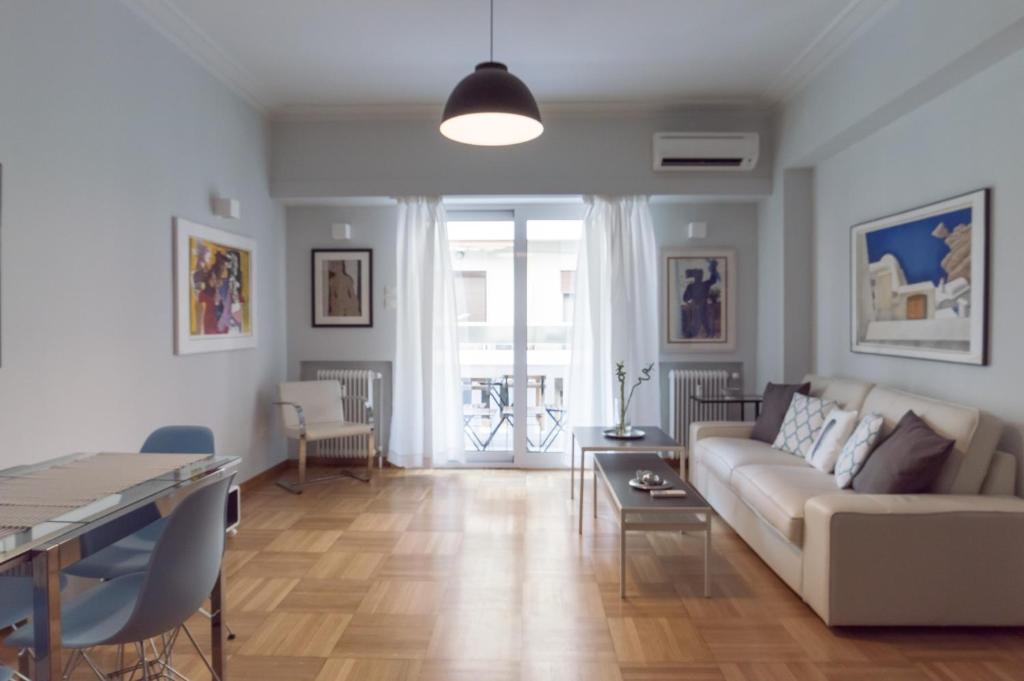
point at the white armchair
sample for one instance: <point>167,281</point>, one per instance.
<point>314,410</point>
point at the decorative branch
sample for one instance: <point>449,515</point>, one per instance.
<point>624,402</point>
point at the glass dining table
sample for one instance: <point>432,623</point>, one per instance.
<point>47,508</point>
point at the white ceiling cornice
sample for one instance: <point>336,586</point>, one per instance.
<point>840,33</point>
<point>589,109</point>
<point>166,18</point>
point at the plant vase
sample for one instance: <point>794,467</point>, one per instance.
<point>623,399</point>
<point>622,425</point>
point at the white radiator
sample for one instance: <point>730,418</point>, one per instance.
<point>361,383</point>
<point>682,411</point>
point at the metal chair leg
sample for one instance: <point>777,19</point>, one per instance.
<point>298,487</point>
<point>209,667</point>
<point>209,615</point>
<point>92,665</point>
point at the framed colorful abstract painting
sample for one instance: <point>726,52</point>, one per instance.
<point>700,289</point>
<point>919,282</point>
<point>342,287</point>
<point>215,285</point>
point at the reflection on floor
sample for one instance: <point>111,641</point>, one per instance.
<point>479,575</point>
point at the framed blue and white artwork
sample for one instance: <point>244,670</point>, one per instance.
<point>919,282</point>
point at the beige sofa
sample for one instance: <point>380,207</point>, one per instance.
<point>954,557</point>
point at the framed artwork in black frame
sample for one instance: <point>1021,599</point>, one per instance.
<point>342,287</point>
<point>919,282</point>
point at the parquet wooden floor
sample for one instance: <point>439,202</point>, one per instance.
<point>480,576</point>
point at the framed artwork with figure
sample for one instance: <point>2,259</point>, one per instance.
<point>215,275</point>
<point>700,292</point>
<point>343,287</point>
<point>919,282</point>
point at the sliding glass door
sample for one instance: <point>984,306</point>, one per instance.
<point>514,279</point>
<point>483,260</point>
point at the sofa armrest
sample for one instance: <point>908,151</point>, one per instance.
<point>703,429</point>
<point>919,559</point>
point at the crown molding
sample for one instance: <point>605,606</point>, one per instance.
<point>419,111</point>
<point>832,41</point>
<point>169,21</point>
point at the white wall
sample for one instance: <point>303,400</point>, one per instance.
<point>106,132</point>
<point>966,139</point>
<point>730,225</point>
<point>309,227</point>
<point>578,154</point>
<point>926,103</point>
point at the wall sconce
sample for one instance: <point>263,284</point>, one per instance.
<point>227,208</point>
<point>390,298</point>
<point>698,230</point>
<point>341,231</point>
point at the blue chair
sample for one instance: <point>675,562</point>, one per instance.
<point>154,604</point>
<point>16,599</point>
<point>179,440</point>
<point>124,545</point>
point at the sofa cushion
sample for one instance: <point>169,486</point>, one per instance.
<point>974,434</point>
<point>722,455</point>
<point>848,393</point>
<point>832,439</point>
<point>778,494</point>
<point>857,449</point>
<point>774,404</point>
<point>803,422</point>
<point>907,462</point>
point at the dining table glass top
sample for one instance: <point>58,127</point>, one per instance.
<point>53,501</point>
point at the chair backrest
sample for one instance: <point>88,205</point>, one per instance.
<point>164,440</point>
<point>320,401</point>
<point>179,440</point>
<point>184,566</point>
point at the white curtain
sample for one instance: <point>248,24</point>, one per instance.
<point>615,317</point>
<point>426,421</point>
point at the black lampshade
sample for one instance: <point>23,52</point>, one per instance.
<point>491,107</point>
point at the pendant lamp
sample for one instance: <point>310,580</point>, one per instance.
<point>491,107</point>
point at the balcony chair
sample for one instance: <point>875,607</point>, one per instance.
<point>314,410</point>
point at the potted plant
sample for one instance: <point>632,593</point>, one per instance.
<point>622,402</point>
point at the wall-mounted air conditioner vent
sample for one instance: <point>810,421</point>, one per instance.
<point>706,151</point>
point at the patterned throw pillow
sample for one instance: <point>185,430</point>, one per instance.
<point>804,419</point>
<point>833,435</point>
<point>857,448</point>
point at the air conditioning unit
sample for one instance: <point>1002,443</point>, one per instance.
<point>706,151</point>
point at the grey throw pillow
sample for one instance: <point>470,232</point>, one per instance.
<point>906,462</point>
<point>774,406</point>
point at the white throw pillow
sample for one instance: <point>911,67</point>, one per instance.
<point>833,435</point>
<point>857,448</point>
<point>801,424</point>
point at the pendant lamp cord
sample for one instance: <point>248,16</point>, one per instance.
<point>492,30</point>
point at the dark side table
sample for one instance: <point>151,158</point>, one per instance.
<point>704,403</point>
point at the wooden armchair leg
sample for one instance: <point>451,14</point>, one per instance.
<point>302,461</point>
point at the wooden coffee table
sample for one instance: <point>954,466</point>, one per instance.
<point>639,511</point>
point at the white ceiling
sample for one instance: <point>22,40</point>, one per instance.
<point>337,56</point>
